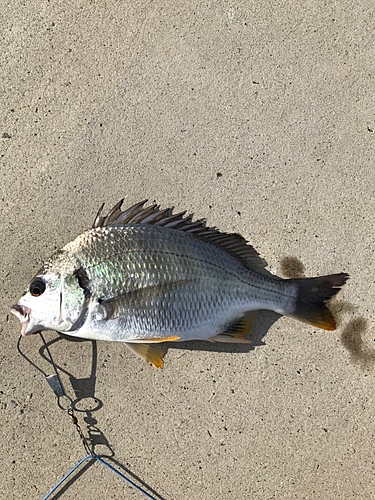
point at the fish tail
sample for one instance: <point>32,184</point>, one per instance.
<point>310,305</point>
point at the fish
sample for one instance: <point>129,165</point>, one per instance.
<point>145,276</point>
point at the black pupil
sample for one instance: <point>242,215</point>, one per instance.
<point>37,288</point>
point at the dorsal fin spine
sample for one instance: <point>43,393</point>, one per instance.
<point>233,244</point>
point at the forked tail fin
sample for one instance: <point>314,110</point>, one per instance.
<point>310,305</point>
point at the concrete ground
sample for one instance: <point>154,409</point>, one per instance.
<point>256,115</point>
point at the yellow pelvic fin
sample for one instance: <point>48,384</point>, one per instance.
<point>154,340</point>
<point>152,354</point>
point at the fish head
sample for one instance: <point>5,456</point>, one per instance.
<point>55,300</point>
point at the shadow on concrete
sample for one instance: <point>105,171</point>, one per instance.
<point>261,324</point>
<point>86,403</point>
<point>352,338</point>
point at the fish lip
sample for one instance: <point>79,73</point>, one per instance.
<point>23,314</point>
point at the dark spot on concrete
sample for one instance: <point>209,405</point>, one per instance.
<point>219,174</point>
<point>291,267</point>
<point>352,339</point>
<point>6,136</point>
<point>340,307</point>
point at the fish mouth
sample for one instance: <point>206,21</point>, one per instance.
<point>23,314</point>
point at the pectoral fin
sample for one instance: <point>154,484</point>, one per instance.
<point>153,354</point>
<point>138,299</point>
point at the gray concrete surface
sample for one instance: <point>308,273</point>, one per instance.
<point>104,100</point>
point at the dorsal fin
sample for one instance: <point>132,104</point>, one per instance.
<point>234,244</point>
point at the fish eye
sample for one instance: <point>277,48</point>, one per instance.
<point>37,287</point>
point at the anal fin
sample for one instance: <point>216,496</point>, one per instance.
<point>235,332</point>
<point>230,339</point>
<point>153,354</point>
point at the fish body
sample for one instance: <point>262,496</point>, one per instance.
<point>146,276</point>
<point>156,282</point>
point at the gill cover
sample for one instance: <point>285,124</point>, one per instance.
<point>74,300</point>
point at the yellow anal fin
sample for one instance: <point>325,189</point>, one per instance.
<point>236,331</point>
<point>232,339</point>
<point>241,327</point>
<point>153,354</point>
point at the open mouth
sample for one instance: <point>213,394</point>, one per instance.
<point>23,314</point>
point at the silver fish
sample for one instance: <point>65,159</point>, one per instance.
<point>145,276</point>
